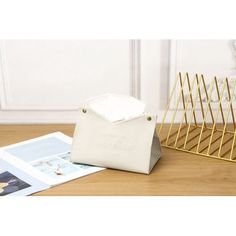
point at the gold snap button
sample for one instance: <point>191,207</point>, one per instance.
<point>84,110</point>
<point>149,118</point>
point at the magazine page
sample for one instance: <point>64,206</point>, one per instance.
<point>47,158</point>
<point>16,182</point>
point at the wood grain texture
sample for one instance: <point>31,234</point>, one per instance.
<point>177,173</point>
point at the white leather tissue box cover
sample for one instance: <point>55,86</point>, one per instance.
<point>129,145</point>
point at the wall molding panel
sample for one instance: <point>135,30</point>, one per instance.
<point>4,89</point>
<point>135,68</point>
<point>13,112</point>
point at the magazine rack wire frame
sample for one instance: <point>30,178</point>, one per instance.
<point>210,139</point>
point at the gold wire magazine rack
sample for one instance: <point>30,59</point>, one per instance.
<point>199,117</point>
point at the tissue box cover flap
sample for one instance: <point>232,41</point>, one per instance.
<point>130,145</point>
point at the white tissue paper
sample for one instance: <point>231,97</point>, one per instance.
<point>116,108</point>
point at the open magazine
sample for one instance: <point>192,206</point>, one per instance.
<point>16,182</point>
<point>41,162</point>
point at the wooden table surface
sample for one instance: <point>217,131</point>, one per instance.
<point>177,173</point>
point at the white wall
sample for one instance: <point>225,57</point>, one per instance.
<point>155,73</point>
<point>208,57</point>
<point>44,81</point>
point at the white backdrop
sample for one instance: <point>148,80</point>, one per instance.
<point>44,81</point>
